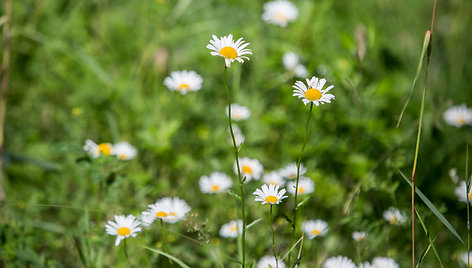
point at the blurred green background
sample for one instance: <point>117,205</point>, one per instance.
<point>95,70</point>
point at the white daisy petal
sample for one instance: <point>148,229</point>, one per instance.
<point>226,48</point>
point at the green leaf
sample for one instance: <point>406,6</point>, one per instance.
<point>431,242</point>
<point>434,209</point>
<point>302,203</point>
<point>235,195</point>
<point>179,262</point>
<point>253,223</point>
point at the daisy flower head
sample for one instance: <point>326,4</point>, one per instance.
<point>123,227</point>
<point>249,168</point>
<point>170,210</point>
<point>232,229</point>
<point>290,171</point>
<point>458,116</point>
<point>461,192</point>
<point>305,186</point>
<point>339,262</point>
<point>270,194</point>
<point>183,81</point>
<point>217,182</point>
<point>315,228</point>
<point>358,236</point>
<point>228,49</point>
<point>291,62</point>
<point>239,112</point>
<point>270,262</point>
<point>365,265</point>
<point>313,91</point>
<point>274,178</point>
<point>394,216</point>
<point>466,258</point>
<point>279,12</point>
<point>95,150</point>
<point>384,262</point>
<point>124,151</point>
<point>239,137</point>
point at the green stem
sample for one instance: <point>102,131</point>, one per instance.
<point>125,249</point>
<point>273,237</point>
<point>243,213</point>
<point>163,235</point>
<point>467,183</point>
<point>298,178</point>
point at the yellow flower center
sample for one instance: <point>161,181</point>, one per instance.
<point>183,86</point>
<point>271,199</point>
<point>172,213</point>
<point>104,148</point>
<point>122,156</point>
<point>233,228</point>
<point>470,196</point>
<point>292,176</point>
<point>273,182</point>
<point>247,169</point>
<point>461,120</point>
<point>301,190</point>
<point>313,94</point>
<point>280,16</point>
<point>315,232</point>
<point>215,188</point>
<point>161,214</point>
<point>124,231</point>
<point>394,220</point>
<point>229,53</point>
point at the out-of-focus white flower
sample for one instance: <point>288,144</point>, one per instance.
<point>124,151</point>
<point>228,49</point>
<point>238,136</point>
<point>95,150</point>
<point>290,171</point>
<point>270,262</point>
<point>232,229</point>
<point>279,12</point>
<point>458,116</point>
<point>218,182</point>
<point>384,262</point>
<point>270,194</point>
<point>305,186</point>
<point>358,236</point>
<point>183,81</point>
<point>461,192</point>
<point>313,91</point>
<point>453,175</point>
<point>250,168</point>
<point>315,228</point>
<point>467,258</point>
<point>291,62</point>
<point>339,262</point>
<point>394,216</point>
<point>274,178</point>
<point>123,227</point>
<point>239,112</point>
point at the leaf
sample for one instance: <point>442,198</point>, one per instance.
<point>291,249</point>
<point>431,242</point>
<point>302,203</point>
<point>288,219</point>
<point>433,209</point>
<point>179,262</point>
<point>253,223</point>
<point>235,195</point>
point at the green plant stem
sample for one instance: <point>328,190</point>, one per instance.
<point>163,235</point>
<point>467,190</point>
<point>273,237</point>
<point>125,249</point>
<point>241,182</point>
<point>298,178</point>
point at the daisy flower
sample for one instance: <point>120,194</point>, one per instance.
<point>291,62</point>
<point>218,182</point>
<point>274,178</point>
<point>232,229</point>
<point>279,12</point>
<point>467,257</point>
<point>290,171</point>
<point>394,216</point>
<point>305,186</point>
<point>95,150</point>
<point>124,151</point>
<point>384,262</point>
<point>458,116</point>
<point>269,262</point>
<point>315,228</point>
<point>358,236</point>
<point>238,136</point>
<point>168,209</point>
<point>183,81</point>
<point>270,194</point>
<point>239,112</point>
<point>461,192</point>
<point>339,262</point>
<point>250,168</point>
<point>123,227</point>
<point>365,265</point>
<point>313,91</point>
<point>226,48</point>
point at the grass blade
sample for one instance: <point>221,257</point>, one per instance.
<point>431,242</point>
<point>434,209</point>
<point>179,262</point>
